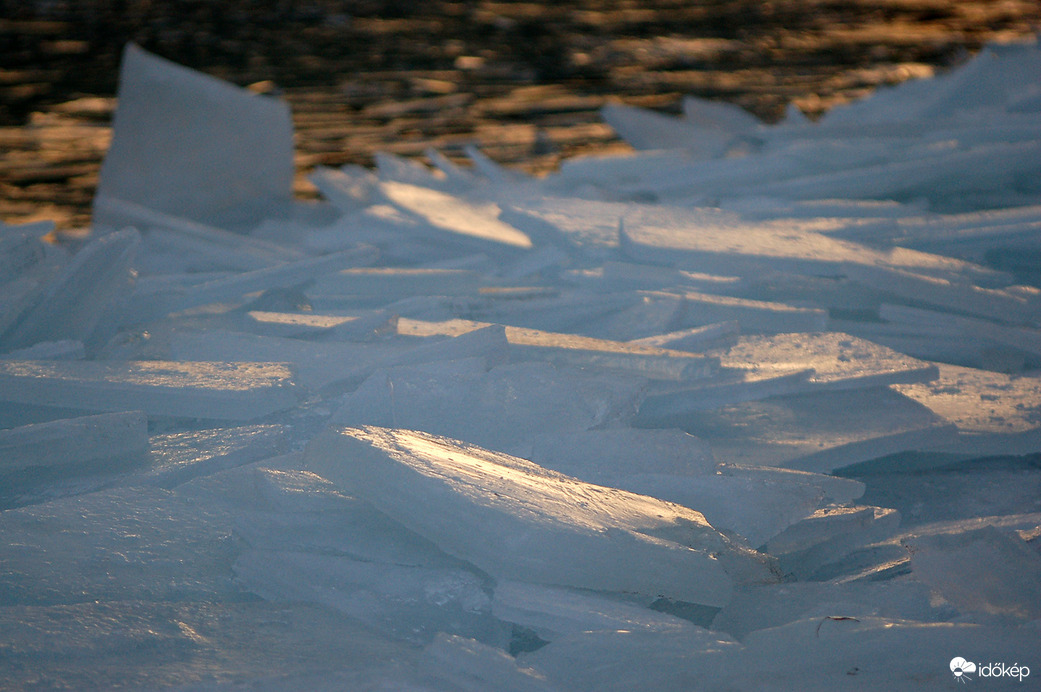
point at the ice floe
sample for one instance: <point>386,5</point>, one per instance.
<point>752,407</point>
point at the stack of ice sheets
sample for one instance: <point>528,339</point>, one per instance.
<point>753,406</point>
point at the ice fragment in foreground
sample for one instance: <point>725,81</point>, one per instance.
<point>516,520</point>
<point>75,302</point>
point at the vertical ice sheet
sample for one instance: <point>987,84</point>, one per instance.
<point>190,145</point>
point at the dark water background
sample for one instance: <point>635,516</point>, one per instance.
<point>523,80</point>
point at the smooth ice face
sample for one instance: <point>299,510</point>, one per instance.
<point>515,520</point>
<point>187,144</point>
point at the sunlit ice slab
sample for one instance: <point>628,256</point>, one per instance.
<point>753,316</point>
<point>815,432</point>
<point>179,457</point>
<point>710,240</point>
<point>755,502</point>
<point>994,413</point>
<point>219,390</point>
<point>518,521</point>
<point>447,213</point>
<point>572,349</point>
<point>336,366</point>
<point>758,367</point>
<point>838,361</point>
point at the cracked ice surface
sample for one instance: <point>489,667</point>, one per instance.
<point>722,413</point>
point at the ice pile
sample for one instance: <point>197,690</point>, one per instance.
<point>735,411</point>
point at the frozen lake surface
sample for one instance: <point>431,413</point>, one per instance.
<point>755,406</point>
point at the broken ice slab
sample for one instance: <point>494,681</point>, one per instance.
<point>516,520</point>
<point>930,342</point>
<point>155,301</point>
<point>580,351</point>
<point>695,339</point>
<point>552,611</point>
<point>455,218</point>
<point>589,226</point>
<point>994,413</point>
<point>90,442</point>
<point>179,457</point>
<point>756,503</point>
<point>467,664</point>
<point>753,316</point>
<point>668,404</point>
<point>162,645</point>
<point>349,188</point>
<point>828,535</point>
<point>617,276</point>
<point>758,367</point>
<point>191,145</point>
<point>717,242</point>
<point>225,391</point>
<point>383,285</point>
<point>336,327</point>
<point>985,334</point>
<point>404,601</point>
<point>986,571</point>
<point>814,432</point>
<point>647,130</point>
<point>838,361</point>
<point>138,544</point>
<point>75,302</point>
<point>761,606</point>
<point>616,659</point>
<point>335,366</point>
<point>840,652</point>
<point>502,409</point>
<point>194,246</point>
<point>278,507</point>
<point>621,452</point>
<point>1012,305</point>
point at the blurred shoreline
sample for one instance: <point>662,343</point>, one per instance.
<point>523,81</point>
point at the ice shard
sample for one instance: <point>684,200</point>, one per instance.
<point>188,144</point>
<point>516,520</point>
